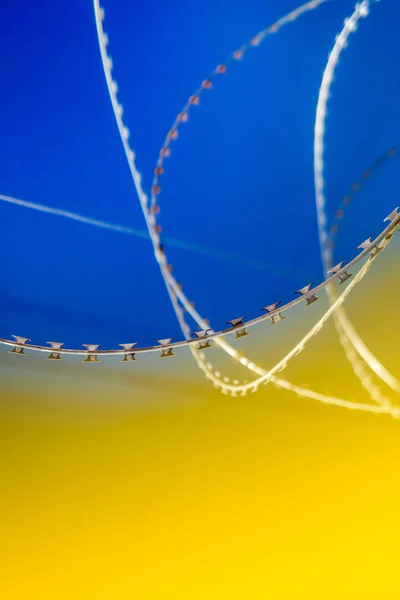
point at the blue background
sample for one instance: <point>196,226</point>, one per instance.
<point>240,179</point>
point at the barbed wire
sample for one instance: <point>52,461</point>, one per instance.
<point>238,326</point>
<point>341,41</point>
<point>350,26</point>
<point>174,289</point>
<point>203,338</point>
<point>362,358</point>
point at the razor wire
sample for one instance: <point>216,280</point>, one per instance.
<point>341,321</point>
<point>348,336</point>
<point>174,289</point>
<point>239,326</point>
<point>203,338</point>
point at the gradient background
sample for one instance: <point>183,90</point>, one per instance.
<point>123,481</point>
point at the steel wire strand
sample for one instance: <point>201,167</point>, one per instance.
<point>171,284</point>
<point>346,331</point>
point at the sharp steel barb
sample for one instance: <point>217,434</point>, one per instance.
<point>20,341</point>
<point>55,355</point>
<point>392,215</point>
<point>236,323</point>
<point>344,276</point>
<point>166,352</point>
<point>91,355</point>
<point>276,317</point>
<point>129,356</point>
<point>364,246</point>
<point>201,335</point>
<point>307,294</point>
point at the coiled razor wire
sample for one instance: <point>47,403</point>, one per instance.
<point>199,341</point>
<point>348,336</point>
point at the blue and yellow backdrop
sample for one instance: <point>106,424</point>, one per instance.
<point>140,480</point>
